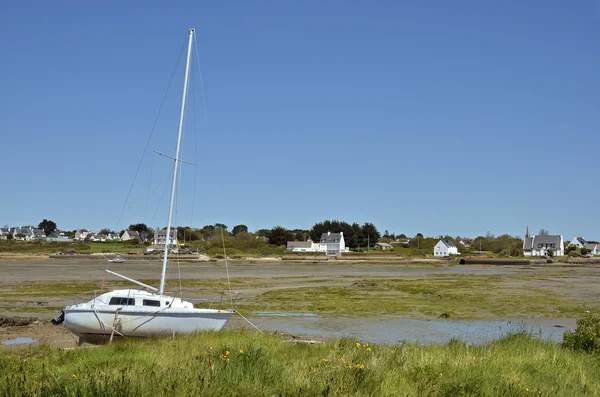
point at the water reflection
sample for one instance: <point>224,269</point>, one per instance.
<point>397,330</point>
<point>18,341</point>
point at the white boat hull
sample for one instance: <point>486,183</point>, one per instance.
<point>142,322</point>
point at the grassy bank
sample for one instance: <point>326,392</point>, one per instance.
<point>453,295</point>
<point>252,364</point>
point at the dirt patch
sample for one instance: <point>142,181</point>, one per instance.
<point>38,329</point>
<point>16,321</point>
<point>363,284</point>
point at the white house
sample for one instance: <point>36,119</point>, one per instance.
<point>27,232</point>
<point>109,237</point>
<point>160,237</point>
<point>539,245</point>
<point>130,235</point>
<point>593,248</point>
<point>81,234</point>
<point>578,242</point>
<point>445,248</point>
<point>332,243</point>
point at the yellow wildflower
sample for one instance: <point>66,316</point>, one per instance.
<point>241,351</point>
<point>357,345</point>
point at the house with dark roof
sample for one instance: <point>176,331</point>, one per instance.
<point>593,248</point>
<point>445,248</point>
<point>539,245</point>
<point>81,234</point>
<point>24,233</point>
<point>578,242</point>
<point>332,243</point>
<point>130,235</point>
<point>302,246</point>
<point>160,237</point>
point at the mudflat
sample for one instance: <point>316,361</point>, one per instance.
<point>38,288</point>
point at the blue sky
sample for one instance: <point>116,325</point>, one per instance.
<point>425,116</point>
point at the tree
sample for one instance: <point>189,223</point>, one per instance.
<point>351,232</point>
<point>238,229</point>
<point>583,251</point>
<point>105,232</point>
<point>244,236</point>
<point>221,226</point>
<point>550,252</point>
<point>48,226</point>
<point>139,227</point>
<point>280,236</point>
<point>570,248</point>
<point>543,232</point>
<point>369,235</point>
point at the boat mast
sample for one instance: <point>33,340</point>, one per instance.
<point>176,163</point>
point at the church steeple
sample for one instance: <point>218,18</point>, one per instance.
<point>527,232</point>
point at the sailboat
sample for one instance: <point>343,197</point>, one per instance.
<point>146,311</point>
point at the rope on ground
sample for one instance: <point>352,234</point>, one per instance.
<point>249,322</point>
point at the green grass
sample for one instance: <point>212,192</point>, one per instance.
<point>459,296</point>
<point>111,246</point>
<point>243,363</point>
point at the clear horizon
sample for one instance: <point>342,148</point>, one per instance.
<point>423,117</point>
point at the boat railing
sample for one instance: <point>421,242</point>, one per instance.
<point>222,298</point>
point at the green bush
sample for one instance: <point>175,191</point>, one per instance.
<point>586,336</point>
<point>584,251</point>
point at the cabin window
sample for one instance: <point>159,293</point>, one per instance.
<point>122,301</point>
<point>149,302</point>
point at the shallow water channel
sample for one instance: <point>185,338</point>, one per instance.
<point>398,330</point>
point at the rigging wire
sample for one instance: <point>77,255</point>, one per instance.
<point>205,118</point>
<point>149,184</point>
<point>145,150</point>
<point>200,75</point>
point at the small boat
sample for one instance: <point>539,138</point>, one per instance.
<point>117,259</point>
<point>146,311</point>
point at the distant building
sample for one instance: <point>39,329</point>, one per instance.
<point>593,248</point>
<point>160,237</point>
<point>384,246</point>
<point>130,235</point>
<point>302,246</point>
<point>445,248</point>
<point>81,234</point>
<point>26,233</point>
<point>58,236</point>
<point>332,243</point>
<point>578,242</point>
<point>539,245</point>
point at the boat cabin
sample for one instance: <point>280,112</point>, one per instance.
<point>132,297</point>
